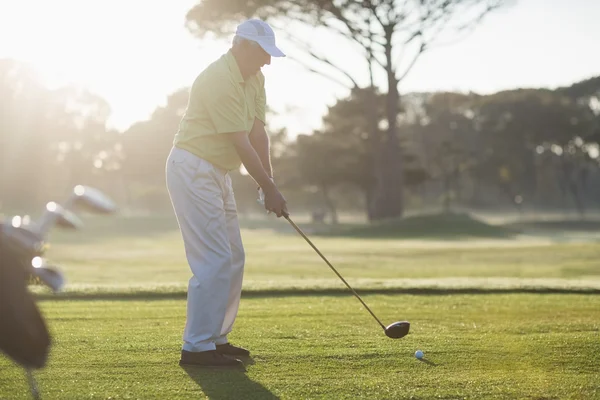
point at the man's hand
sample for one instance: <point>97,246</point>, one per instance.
<point>275,202</point>
<point>268,204</point>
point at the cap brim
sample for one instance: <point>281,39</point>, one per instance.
<point>273,51</point>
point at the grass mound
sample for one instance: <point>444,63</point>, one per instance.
<point>445,225</point>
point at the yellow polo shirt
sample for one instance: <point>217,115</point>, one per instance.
<point>220,102</point>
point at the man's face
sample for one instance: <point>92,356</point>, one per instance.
<point>255,58</point>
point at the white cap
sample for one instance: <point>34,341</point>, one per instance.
<point>260,32</point>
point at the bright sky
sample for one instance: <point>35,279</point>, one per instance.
<point>135,61</point>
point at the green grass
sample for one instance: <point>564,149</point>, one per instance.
<point>449,226</point>
<point>518,346</point>
<point>118,326</point>
<point>148,255</point>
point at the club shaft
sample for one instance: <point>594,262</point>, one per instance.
<point>334,270</point>
<point>33,387</point>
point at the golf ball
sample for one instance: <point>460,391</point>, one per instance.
<point>419,354</point>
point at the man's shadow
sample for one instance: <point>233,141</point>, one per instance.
<point>223,384</point>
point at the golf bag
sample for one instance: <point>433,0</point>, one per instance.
<point>24,336</point>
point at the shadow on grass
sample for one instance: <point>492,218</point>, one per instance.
<point>228,384</point>
<point>428,362</point>
<point>180,295</point>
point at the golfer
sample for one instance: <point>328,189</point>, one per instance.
<point>223,127</point>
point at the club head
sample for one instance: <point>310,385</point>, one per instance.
<point>93,200</point>
<point>49,275</point>
<point>65,218</point>
<point>397,330</point>
<point>70,221</point>
<point>23,238</point>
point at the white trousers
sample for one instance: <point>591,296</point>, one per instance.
<point>204,204</point>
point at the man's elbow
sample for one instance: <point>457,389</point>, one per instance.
<point>258,131</point>
<point>240,140</point>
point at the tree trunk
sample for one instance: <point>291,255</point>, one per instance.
<point>578,199</point>
<point>374,142</point>
<point>330,204</point>
<point>576,186</point>
<point>447,192</point>
<point>376,161</point>
<point>388,201</point>
<point>456,180</point>
<point>370,204</point>
<point>390,193</point>
<point>510,193</point>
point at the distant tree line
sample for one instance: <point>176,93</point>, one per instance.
<point>535,148</point>
<point>521,148</point>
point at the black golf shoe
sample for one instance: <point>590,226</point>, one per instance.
<point>230,350</point>
<point>210,359</point>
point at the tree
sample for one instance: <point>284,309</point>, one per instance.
<point>22,123</point>
<point>517,126</point>
<point>80,141</point>
<point>323,164</point>
<point>444,136</point>
<point>144,148</point>
<point>146,144</point>
<point>571,167</point>
<point>45,136</point>
<point>587,95</point>
<point>343,150</point>
<point>389,34</point>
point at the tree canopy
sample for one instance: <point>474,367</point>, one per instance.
<point>389,35</point>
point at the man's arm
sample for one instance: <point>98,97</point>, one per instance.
<point>274,200</point>
<point>260,142</point>
<point>252,161</point>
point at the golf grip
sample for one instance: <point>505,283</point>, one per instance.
<point>331,266</point>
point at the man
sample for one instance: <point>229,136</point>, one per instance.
<point>223,127</point>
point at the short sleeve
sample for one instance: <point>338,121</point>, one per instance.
<point>225,105</point>
<point>261,100</point>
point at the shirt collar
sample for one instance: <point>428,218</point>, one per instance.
<point>233,67</point>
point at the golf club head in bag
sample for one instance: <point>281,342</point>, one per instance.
<point>82,197</point>
<point>24,336</point>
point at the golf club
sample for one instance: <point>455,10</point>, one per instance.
<point>66,218</point>
<point>396,330</point>
<point>25,337</point>
<point>33,386</point>
<point>49,275</point>
<point>84,196</point>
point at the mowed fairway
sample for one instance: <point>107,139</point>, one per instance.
<point>477,347</point>
<point>148,254</point>
<point>496,318</point>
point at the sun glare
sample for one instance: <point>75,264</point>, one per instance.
<point>121,50</point>
<point>135,53</point>
<point>60,39</point>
